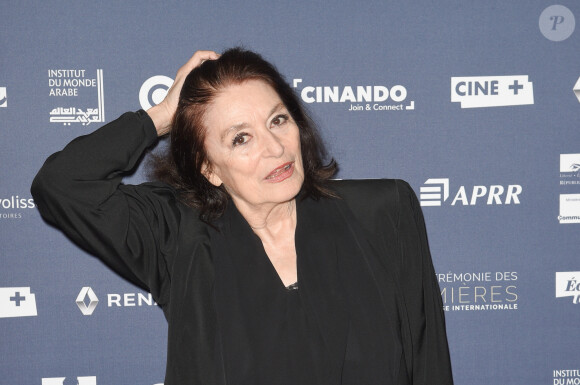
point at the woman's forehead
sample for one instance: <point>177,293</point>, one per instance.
<point>242,104</point>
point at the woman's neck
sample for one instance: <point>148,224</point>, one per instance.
<point>270,221</point>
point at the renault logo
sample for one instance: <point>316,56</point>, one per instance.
<point>93,300</point>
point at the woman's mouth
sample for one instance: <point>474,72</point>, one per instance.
<point>283,172</point>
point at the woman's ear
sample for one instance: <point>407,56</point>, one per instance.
<point>210,175</point>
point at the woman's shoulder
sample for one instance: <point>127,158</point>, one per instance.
<point>165,200</point>
<point>383,191</point>
<point>153,195</point>
<point>375,201</point>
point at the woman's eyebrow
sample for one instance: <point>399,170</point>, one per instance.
<point>235,127</point>
<point>239,126</point>
<point>276,108</point>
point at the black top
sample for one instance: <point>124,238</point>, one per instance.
<point>267,336</point>
<point>367,287</point>
<point>271,335</point>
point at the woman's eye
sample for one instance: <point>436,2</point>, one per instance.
<point>240,138</point>
<point>279,120</point>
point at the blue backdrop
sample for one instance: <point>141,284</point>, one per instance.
<point>473,103</point>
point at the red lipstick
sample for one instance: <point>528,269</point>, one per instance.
<point>285,171</point>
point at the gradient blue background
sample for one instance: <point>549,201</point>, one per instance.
<point>419,45</point>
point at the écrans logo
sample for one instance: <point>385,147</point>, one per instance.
<point>568,285</point>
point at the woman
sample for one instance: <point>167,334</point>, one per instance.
<point>267,272</point>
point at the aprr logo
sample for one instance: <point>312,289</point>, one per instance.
<point>153,91</point>
<point>492,91</point>
<point>431,195</point>
<point>17,302</point>
<point>90,380</point>
<point>3,98</point>
<point>87,292</point>
<point>557,23</point>
<point>568,285</point>
<point>436,191</point>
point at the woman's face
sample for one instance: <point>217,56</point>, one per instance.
<point>253,145</point>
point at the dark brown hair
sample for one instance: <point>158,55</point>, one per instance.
<point>182,163</point>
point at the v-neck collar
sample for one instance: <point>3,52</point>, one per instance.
<point>336,272</point>
<point>236,229</point>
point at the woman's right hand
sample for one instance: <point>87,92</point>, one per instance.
<point>162,114</point>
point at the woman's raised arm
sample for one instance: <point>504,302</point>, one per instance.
<point>162,114</point>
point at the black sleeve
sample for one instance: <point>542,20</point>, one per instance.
<point>133,229</point>
<point>430,362</point>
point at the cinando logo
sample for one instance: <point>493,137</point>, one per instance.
<point>435,192</point>
<point>492,91</point>
<point>153,91</point>
<point>557,23</point>
<point>359,98</point>
<point>90,380</point>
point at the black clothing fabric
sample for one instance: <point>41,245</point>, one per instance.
<point>273,337</point>
<point>261,322</point>
<point>367,309</point>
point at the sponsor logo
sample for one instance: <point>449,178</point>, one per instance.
<point>153,91</point>
<point>435,192</point>
<point>557,23</point>
<point>479,291</point>
<point>569,208</point>
<point>87,293</point>
<point>87,300</point>
<point>11,207</point>
<point>65,84</point>
<point>3,97</point>
<point>492,91</point>
<point>90,380</point>
<point>566,376</point>
<point>569,169</point>
<point>17,302</point>
<point>357,98</point>
<point>568,285</point>
<point>576,89</point>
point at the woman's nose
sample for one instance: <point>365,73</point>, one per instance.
<point>272,145</point>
